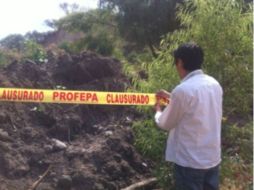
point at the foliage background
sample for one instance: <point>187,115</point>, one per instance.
<point>224,30</point>
<point>143,35</point>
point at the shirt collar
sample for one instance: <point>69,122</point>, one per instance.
<point>191,74</point>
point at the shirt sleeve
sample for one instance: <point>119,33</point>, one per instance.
<point>157,116</point>
<point>171,115</point>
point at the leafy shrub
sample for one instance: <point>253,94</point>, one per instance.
<point>150,141</point>
<point>69,47</point>
<point>100,43</point>
<point>237,161</point>
<point>238,141</point>
<point>13,42</point>
<point>99,28</point>
<point>34,51</point>
<point>8,56</point>
<point>164,174</point>
<point>224,30</point>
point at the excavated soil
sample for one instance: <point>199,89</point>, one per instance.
<point>98,151</point>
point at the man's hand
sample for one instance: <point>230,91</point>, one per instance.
<point>162,97</point>
<point>163,94</point>
<point>157,107</point>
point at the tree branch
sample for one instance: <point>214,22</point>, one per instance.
<point>142,184</point>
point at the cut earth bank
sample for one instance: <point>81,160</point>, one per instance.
<point>87,147</point>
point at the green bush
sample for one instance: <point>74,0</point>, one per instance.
<point>35,52</point>
<point>13,42</point>
<point>7,56</point>
<point>237,160</point>
<point>224,30</point>
<point>100,43</point>
<point>238,141</point>
<point>149,140</point>
<point>71,47</point>
<point>164,174</point>
<point>98,27</point>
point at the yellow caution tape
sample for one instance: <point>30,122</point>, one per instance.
<point>76,97</point>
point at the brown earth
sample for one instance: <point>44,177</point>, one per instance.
<point>99,152</point>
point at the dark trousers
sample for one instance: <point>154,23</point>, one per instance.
<point>196,179</point>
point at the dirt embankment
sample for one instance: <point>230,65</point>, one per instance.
<point>87,147</point>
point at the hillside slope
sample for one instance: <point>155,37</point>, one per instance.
<point>99,152</point>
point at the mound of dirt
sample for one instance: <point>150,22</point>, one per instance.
<point>86,147</point>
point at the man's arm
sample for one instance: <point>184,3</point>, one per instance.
<point>170,116</point>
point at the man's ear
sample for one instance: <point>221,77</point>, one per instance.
<point>181,64</point>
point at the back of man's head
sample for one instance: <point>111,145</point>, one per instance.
<point>191,55</point>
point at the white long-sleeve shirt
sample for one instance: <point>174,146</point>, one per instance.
<point>193,118</point>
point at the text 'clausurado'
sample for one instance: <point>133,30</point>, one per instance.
<point>76,97</point>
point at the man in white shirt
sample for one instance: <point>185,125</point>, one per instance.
<point>193,119</point>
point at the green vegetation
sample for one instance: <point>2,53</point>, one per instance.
<point>237,165</point>
<point>143,34</point>
<point>228,50</point>
<point>101,34</point>
<point>8,56</point>
<point>223,29</point>
<point>18,47</point>
<point>34,51</point>
<point>143,22</point>
<point>14,42</point>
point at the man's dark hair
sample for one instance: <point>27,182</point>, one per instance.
<point>191,54</point>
